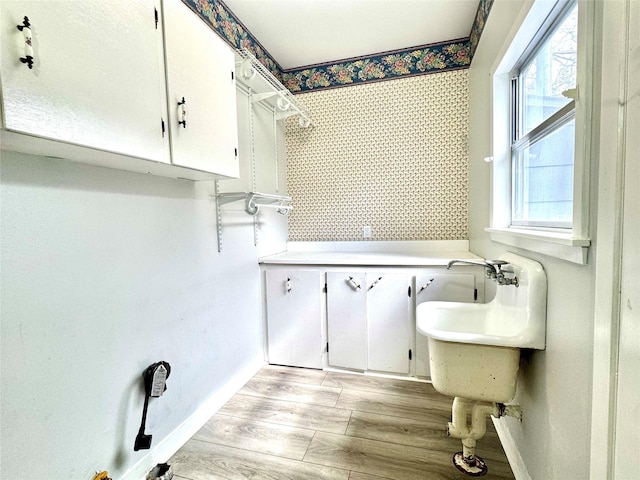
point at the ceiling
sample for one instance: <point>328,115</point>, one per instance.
<point>304,32</point>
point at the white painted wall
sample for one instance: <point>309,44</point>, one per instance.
<point>555,384</point>
<point>103,273</point>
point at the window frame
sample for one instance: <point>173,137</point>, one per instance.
<point>570,244</point>
<point>546,127</point>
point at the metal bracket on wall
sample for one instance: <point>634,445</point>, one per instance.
<point>253,202</point>
<point>218,216</point>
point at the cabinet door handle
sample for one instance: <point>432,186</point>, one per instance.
<point>426,285</point>
<point>375,282</point>
<point>353,283</point>
<point>288,284</point>
<point>25,28</point>
<point>182,113</point>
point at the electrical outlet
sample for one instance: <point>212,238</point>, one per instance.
<point>366,231</point>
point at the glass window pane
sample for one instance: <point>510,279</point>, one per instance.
<point>543,180</point>
<point>550,71</point>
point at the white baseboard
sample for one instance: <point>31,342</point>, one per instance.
<point>176,439</point>
<point>513,454</point>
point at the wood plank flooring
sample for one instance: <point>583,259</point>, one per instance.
<point>301,424</point>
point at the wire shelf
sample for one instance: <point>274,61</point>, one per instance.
<point>265,87</point>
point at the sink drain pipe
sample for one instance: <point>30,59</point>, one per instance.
<point>467,461</point>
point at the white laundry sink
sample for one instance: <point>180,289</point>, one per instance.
<point>474,349</point>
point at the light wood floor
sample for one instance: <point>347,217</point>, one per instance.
<point>294,423</point>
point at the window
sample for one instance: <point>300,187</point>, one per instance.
<point>543,126</point>
<point>542,85</point>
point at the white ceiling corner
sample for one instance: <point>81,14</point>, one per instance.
<point>303,32</point>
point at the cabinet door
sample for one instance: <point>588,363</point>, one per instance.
<point>293,317</point>
<point>97,78</point>
<point>389,332</point>
<point>200,71</point>
<point>347,320</point>
<point>447,287</point>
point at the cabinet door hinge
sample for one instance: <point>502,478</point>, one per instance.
<point>409,291</point>
<point>156,16</point>
<point>475,294</point>
<point>324,290</point>
<point>410,354</point>
<point>162,125</point>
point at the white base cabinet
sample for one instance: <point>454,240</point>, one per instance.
<point>389,330</point>
<point>368,321</point>
<point>364,320</point>
<point>347,320</point>
<point>294,324</point>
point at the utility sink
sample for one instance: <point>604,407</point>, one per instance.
<point>474,349</point>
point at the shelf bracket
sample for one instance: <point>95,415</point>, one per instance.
<point>218,216</point>
<point>253,202</point>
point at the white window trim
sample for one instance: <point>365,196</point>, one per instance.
<point>571,245</point>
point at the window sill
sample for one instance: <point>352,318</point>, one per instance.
<point>559,245</point>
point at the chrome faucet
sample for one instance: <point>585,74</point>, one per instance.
<point>492,266</point>
<point>493,270</point>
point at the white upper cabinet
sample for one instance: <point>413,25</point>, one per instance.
<point>96,78</point>
<point>201,94</point>
<point>100,82</point>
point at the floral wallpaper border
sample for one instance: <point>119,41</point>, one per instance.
<point>420,60</point>
<point>484,8</point>
<point>451,55</point>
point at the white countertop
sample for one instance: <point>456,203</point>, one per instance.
<point>370,253</point>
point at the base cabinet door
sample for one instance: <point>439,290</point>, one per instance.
<point>389,322</point>
<point>294,332</point>
<point>368,321</point>
<point>347,320</point>
<point>447,287</point>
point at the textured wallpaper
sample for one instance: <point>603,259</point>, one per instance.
<point>392,155</point>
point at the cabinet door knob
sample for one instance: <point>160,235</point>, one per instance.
<point>182,113</point>
<point>375,282</point>
<point>353,283</point>
<point>25,28</point>
<point>426,285</point>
